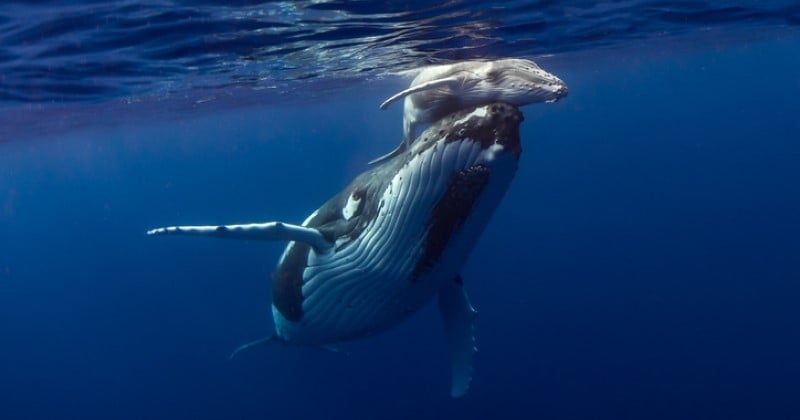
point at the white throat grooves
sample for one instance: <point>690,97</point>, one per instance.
<point>337,301</point>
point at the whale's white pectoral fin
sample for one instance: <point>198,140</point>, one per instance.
<point>458,316</point>
<point>270,231</point>
<point>433,84</point>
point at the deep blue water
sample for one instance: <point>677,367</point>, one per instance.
<point>644,264</point>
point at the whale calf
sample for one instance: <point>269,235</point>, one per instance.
<point>393,239</point>
<point>442,89</point>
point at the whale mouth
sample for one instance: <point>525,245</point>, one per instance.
<point>560,93</point>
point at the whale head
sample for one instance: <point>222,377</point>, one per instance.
<point>513,80</point>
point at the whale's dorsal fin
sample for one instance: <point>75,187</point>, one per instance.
<point>433,84</point>
<point>270,231</point>
<point>458,316</point>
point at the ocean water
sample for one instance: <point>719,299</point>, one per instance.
<point>645,263</point>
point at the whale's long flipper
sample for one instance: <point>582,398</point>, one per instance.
<point>270,231</point>
<point>458,316</point>
<point>433,84</point>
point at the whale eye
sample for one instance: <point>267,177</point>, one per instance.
<point>353,206</point>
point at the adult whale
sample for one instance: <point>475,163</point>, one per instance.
<point>439,90</point>
<point>395,237</point>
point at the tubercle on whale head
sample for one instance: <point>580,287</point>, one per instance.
<point>493,123</point>
<point>562,90</point>
<point>496,123</point>
<point>561,93</point>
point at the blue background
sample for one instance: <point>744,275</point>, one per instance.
<point>644,263</point>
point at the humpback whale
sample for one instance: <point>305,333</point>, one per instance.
<point>439,90</point>
<point>393,239</point>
